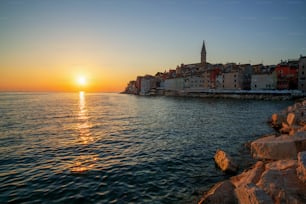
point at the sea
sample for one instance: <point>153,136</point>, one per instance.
<point>116,148</point>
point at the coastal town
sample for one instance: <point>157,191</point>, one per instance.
<point>204,78</point>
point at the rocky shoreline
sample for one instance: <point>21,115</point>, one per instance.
<point>279,173</point>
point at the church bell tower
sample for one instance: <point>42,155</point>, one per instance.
<point>203,54</point>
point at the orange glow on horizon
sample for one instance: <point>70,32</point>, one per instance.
<point>61,80</point>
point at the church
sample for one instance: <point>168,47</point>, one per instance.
<point>193,69</point>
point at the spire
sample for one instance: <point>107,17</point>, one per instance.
<point>203,54</point>
<point>203,48</point>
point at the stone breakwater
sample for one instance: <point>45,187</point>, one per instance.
<point>279,175</point>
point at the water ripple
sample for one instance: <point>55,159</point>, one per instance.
<point>112,148</point>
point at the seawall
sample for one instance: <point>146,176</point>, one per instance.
<point>236,94</point>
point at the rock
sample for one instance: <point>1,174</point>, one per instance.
<point>272,147</point>
<point>251,194</point>
<point>280,181</point>
<point>225,162</point>
<point>300,141</point>
<point>290,118</point>
<point>274,118</point>
<point>276,148</point>
<point>249,176</point>
<point>285,125</point>
<point>301,170</point>
<point>278,119</point>
<point>220,193</point>
<point>285,128</point>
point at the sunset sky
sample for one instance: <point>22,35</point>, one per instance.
<point>47,45</point>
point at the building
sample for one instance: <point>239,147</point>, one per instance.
<point>174,84</point>
<point>302,74</point>
<point>131,88</point>
<point>287,76</point>
<point>247,71</point>
<point>264,81</point>
<point>194,82</point>
<point>232,80</point>
<point>257,68</point>
<point>210,78</point>
<point>148,83</point>
<point>138,83</point>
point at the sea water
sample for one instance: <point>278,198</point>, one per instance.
<point>114,148</point>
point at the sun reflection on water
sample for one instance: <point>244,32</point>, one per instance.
<point>83,163</point>
<point>84,125</point>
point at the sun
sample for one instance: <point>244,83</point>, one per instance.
<point>81,80</point>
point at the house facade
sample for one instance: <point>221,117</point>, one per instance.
<point>174,84</point>
<point>232,80</point>
<point>264,81</point>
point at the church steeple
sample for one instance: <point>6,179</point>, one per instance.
<point>203,54</point>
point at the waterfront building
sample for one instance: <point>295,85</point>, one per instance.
<point>257,68</point>
<point>287,76</point>
<point>247,71</point>
<point>194,82</point>
<point>302,74</point>
<point>147,85</point>
<point>138,83</point>
<point>172,73</point>
<point>131,88</point>
<point>174,84</point>
<point>232,80</point>
<point>264,81</point>
<point>210,78</point>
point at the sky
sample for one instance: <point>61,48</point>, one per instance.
<point>47,45</point>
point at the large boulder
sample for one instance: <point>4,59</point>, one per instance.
<point>280,181</point>
<point>301,170</point>
<point>221,193</point>
<point>251,194</point>
<point>290,118</point>
<point>277,120</point>
<point>276,148</point>
<point>225,162</point>
<point>249,176</point>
